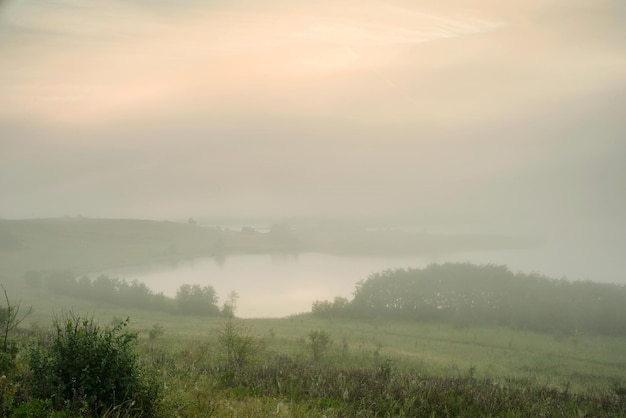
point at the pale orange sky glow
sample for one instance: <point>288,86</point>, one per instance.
<point>470,111</point>
<point>105,62</point>
<point>76,64</point>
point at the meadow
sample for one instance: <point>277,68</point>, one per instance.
<point>366,368</point>
<point>304,365</point>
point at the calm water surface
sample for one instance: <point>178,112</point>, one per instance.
<point>280,285</point>
<point>268,285</point>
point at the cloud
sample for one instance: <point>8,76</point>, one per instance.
<point>118,108</point>
<point>75,63</point>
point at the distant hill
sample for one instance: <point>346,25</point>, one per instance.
<point>82,244</point>
<point>85,245</point>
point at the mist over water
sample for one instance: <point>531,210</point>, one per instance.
<point>283,284</point>
<point>479,116</point>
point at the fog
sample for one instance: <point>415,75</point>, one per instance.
<point>467,115</point>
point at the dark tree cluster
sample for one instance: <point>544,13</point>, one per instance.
<point>190,299</point>
<point>328,309</point>
<point>467,294</point>
<point>197,300</point>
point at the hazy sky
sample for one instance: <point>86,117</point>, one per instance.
<point>468,111</point>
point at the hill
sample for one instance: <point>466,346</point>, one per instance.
<point>85,245</point>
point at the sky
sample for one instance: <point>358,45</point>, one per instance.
<point>461,114</point>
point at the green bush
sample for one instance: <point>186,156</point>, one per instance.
<point>320,340</point>
<point>96,368</point>
<point>197,300</point>
<point>240,347</point>
<point>37,408</point>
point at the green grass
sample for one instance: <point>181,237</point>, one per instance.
<point>577,372</point>
<point>577,362</point>
<point>432,352</point>
<point>188,353</point>
<point>188,357</point>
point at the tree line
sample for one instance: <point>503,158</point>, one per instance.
<point>485,295</point>
<point>190,299</point>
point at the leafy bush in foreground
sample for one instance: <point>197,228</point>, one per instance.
<point>93,368</point>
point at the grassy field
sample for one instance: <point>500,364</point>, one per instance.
<point>576,362</point>
<point>189,358</point>
<point>369,367</point>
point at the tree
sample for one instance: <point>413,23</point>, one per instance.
<point>197,300</point>
<point>230,306</point>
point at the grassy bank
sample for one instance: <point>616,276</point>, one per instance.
<point>368,367</point>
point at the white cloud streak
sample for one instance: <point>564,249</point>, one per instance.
<point>301,107</point>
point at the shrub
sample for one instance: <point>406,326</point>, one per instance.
<point>240,347</point>
<point>320,340</point>
<point>37,408</point>
<point>87,366</point>
<point>197,300</point>
<point>156,331</point>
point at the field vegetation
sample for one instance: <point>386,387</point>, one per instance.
<point>448,340</point>
<point>218,366</point>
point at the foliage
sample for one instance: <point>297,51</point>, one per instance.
<point>38,408</point>
<point>386,392</point>
<point>390,370</point>
<point>197,300</point>
<point>327,309</point>
<point>445,366</point>
<point>239,347</point>
<point>230,306</point>
<point>93,367</point>
<point>103,288</point>
<point>190,299</point>
<point>486,295</point>
<point>9,320</point>
<point>320,340</point>
<point>156,331</point>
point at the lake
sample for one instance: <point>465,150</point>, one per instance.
<point>280,285</point>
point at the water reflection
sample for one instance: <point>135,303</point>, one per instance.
<point>268,285</point>
<point>283,284</point>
